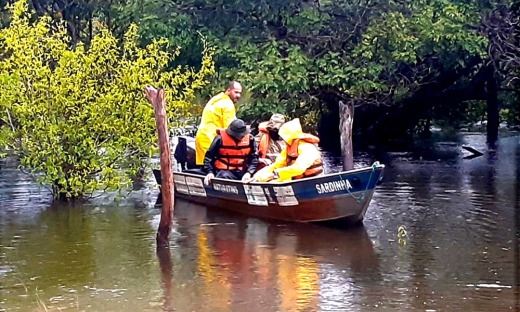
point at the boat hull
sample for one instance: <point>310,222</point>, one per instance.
<point>339,197</point>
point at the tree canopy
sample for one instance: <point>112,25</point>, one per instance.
<point>300,57</point>
<point>403,64</point>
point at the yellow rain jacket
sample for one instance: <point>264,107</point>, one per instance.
<point>308,154</point>
<point>217,114</point>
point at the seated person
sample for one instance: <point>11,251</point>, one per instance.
<point>300,159</point>
<point>270,145</point>
<point>232,154</point>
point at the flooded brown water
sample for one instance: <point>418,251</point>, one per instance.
<point>462,218</point>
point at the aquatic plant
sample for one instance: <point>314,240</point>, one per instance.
<point>401,234</point>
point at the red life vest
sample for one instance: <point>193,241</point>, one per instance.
<point>232,154</point>
<point>292,154</point>
<point>263,145</point>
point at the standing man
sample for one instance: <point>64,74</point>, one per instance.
<point>232,154</point>
<point>217,114</point>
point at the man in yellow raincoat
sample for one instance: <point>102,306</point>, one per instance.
<point>218,113</point>
<point>300,159</point>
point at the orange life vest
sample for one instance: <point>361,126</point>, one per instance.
<point>263,145</point>
<point>232,154</point>
<point>292,153</point>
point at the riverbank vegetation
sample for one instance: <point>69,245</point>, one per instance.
<point>404,65</point>
<point>74,113</point>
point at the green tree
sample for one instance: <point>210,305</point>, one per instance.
<point>76,116</point>
<point>424,57</point>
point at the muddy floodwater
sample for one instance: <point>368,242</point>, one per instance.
<point>460,252</point>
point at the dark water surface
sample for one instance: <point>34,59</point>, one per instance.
<point>462,218</point>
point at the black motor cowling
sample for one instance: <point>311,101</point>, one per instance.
<point>185,152</point>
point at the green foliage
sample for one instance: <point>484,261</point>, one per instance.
<point>294,56</point>
<point>77,117</point>
<point>406,48</point>
<point>510,112</point>
<point>276,82</point>
<point>291,54</point>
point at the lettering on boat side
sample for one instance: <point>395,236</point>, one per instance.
<point>285,196</point>
<point>195,186</point>
<point>268,195</point>
<point>334,186</point>
<point>180,184</point>
<point>225,188</point>
<point>255,195</point>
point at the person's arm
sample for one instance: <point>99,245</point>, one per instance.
<point>266,173</point>
<point>211,155</point>
<point>228,113</point>
<point>308,154</point>
<point>280,161</point>
<point>253,157</point>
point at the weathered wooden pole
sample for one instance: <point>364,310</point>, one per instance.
<point>346,120</point>
<point>156,97</point>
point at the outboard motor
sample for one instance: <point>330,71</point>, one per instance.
<point>185,152</point>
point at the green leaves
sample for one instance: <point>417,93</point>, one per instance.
<point>77,117</point>
<point>412,43</point>
<point>275,74</point>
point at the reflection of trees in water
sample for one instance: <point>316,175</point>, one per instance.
<point>490,216</point>
<point>65,237</point>
<point>52,250</point>
<point>100,247</point>
<point>420,194</point>
<point>430,211</point>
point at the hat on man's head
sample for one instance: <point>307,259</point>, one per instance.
<point>276,121</point>
<point>278,118</point>
<point>237,129</point>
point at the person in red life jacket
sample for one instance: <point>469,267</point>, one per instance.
<point>270,144</point>
<point>300,159</point>
<point>232,154</point>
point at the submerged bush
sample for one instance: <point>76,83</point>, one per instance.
<point>77,116</point>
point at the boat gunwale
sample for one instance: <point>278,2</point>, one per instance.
<point>290,182</point>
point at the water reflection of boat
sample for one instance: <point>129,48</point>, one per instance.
<point>248,264</point>
<point>351,248</point>
<point>341,196</point>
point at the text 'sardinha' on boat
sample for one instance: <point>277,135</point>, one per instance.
<point>334,197</point>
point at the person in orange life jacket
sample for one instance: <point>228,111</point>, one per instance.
<point>270,145</point>
<point>300,159</point>
<point>232,154</point>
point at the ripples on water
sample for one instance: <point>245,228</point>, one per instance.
<point>460,252</point>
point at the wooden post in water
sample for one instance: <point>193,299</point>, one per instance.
<point>156,97</point>
<point>346,120</point>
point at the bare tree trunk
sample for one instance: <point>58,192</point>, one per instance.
<point>90,27</point>
<point>346,120</point>
<point>156,97</point>
<point>493,118</point>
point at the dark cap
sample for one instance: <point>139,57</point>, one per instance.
<point>237,129</point>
